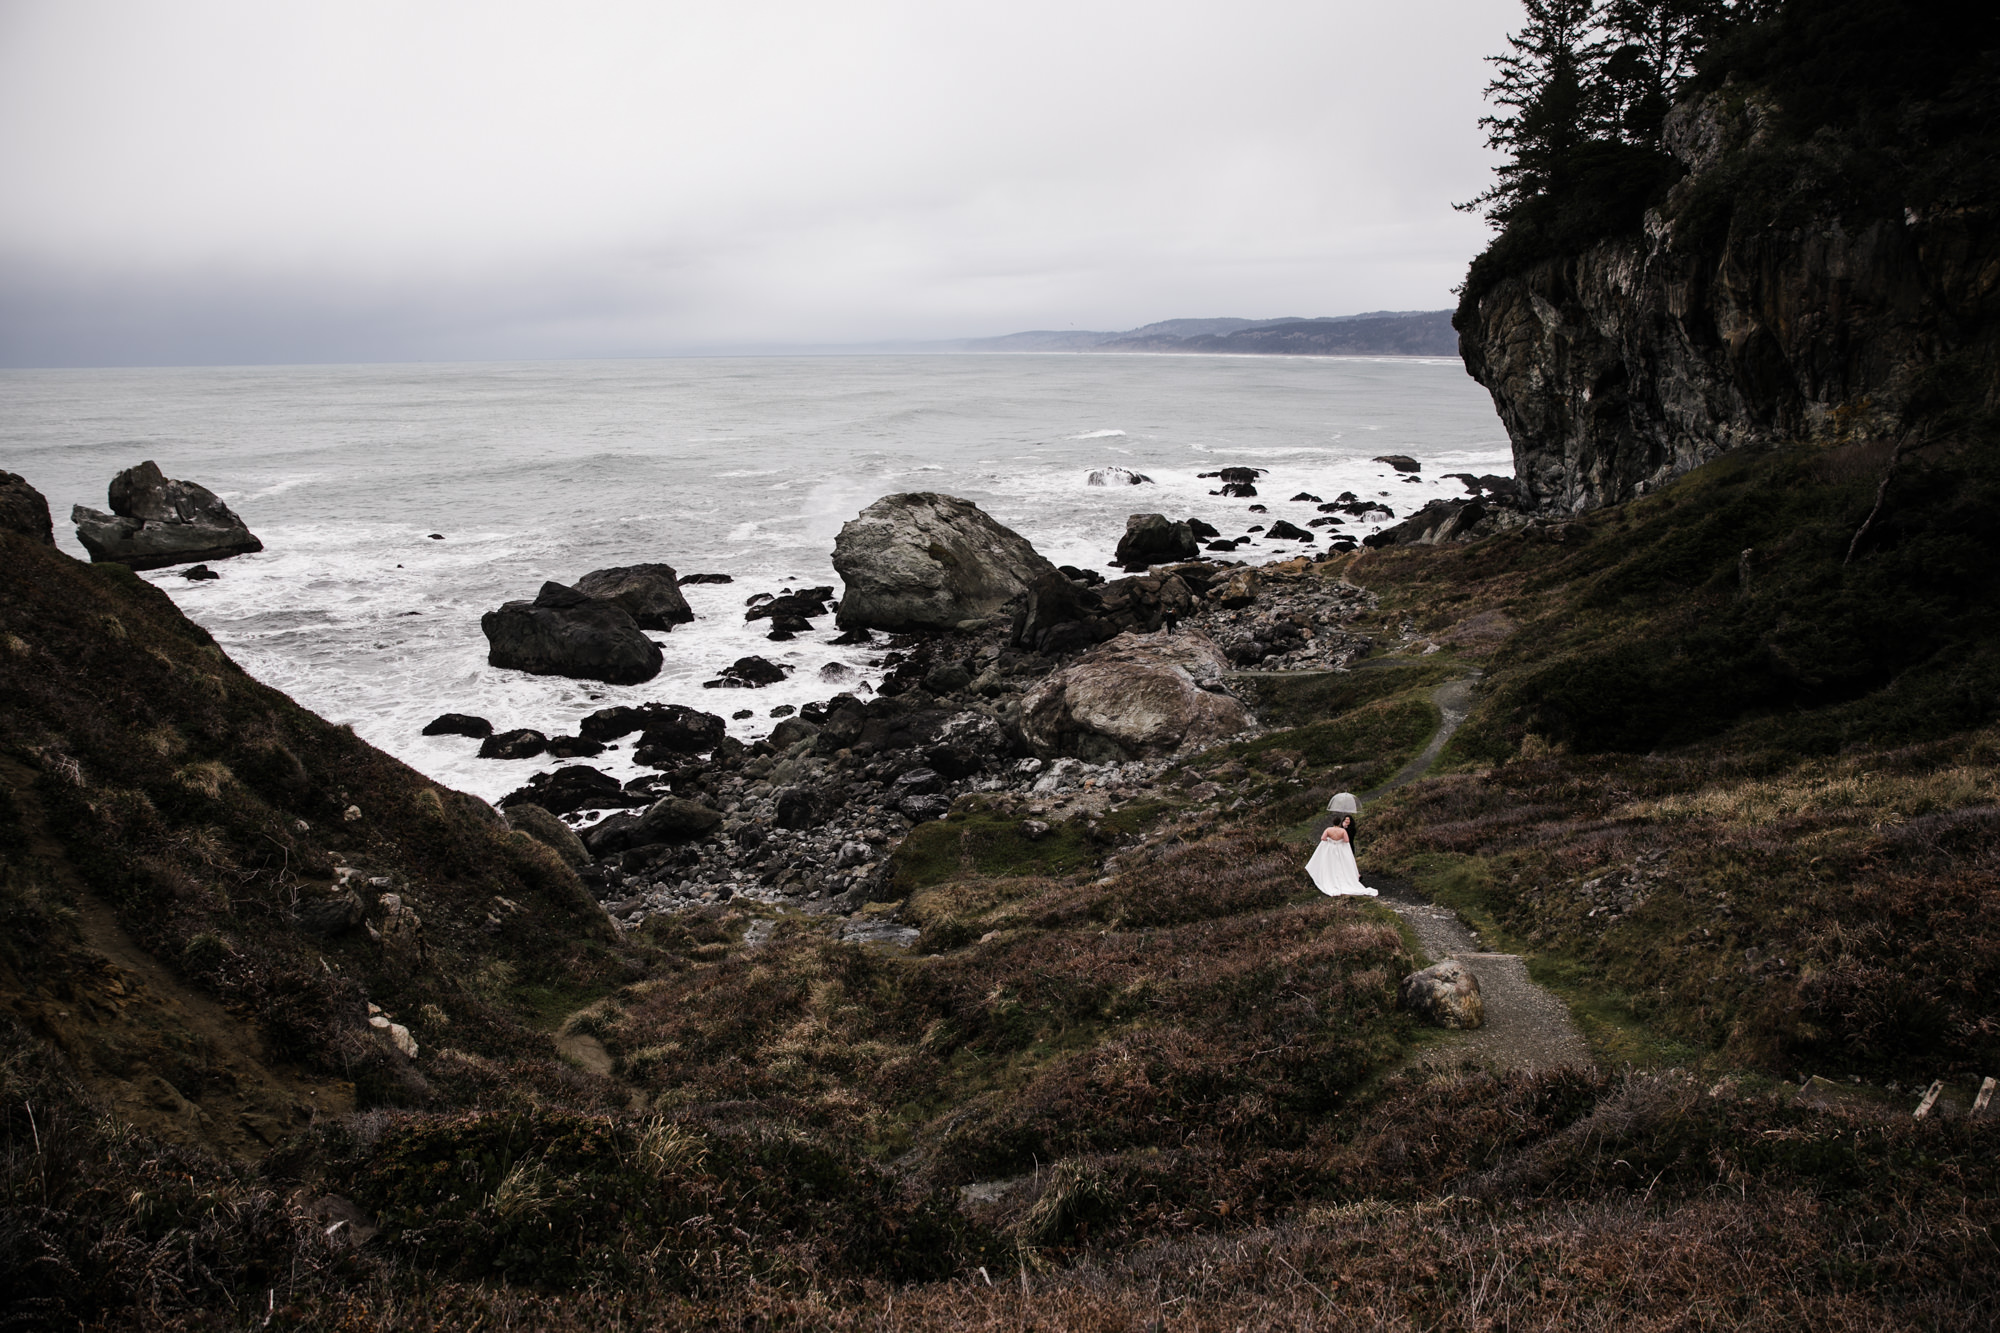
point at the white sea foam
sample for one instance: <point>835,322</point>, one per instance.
<point>546,471</point>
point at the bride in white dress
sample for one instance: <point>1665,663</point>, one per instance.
<point>1332,866</point>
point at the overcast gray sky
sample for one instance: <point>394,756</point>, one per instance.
<point>289,180</point>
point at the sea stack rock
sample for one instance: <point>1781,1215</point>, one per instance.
<point>650,594</point>
<point>1116,476</point>
<point>921,561</point>
<point>24,510</point>
<point>1134,697</point>
<point>156,522</point>
<point>1151,539</point>
<point>564,632</point>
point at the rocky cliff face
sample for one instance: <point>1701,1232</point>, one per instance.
<point>1750,312</point>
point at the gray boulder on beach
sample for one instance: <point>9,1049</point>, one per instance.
<point>651,594</point>
<point>564,632</point>
<point>1137,696</point>
<point>1446,994</point>
<point>924,561</point>
<point>156,522</point>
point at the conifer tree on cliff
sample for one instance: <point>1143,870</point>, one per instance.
<point>1552,106</point>
<point>1580,96</point>
<point>1652,48</point>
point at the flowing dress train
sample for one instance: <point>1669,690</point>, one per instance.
<point>1333,870</point>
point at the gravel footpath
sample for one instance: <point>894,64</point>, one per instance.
<point>1526,1026</point>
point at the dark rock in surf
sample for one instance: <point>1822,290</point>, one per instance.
<point>1401,462</point>
<point>1152,539</point>
<point>1288,532</point>
<point>199,573</point>
<point>574,747</point>
<point>564,632</point>
<point>608,724</point>
<point>1116,476</point>
<point>459,724</point>
<point>650,594</point>
<point>686,579</point>
<point>156,522</point>
<point>747,673</point>
<point>577,787</point>
<point>678,729</point>
<point>524,743</point>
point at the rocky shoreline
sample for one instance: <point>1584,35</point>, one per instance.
<point>1131,676</point>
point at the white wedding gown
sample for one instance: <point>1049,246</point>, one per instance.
<point>1333,870</point>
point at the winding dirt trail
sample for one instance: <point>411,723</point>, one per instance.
<point>1526,1026</point>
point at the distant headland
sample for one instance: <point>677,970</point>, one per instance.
<point>1378,333</point>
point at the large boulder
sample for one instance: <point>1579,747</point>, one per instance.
<point>564,632</point>
<point>650,594</point>
<point>576,787</point>
<point>678,729</point>
<point>156,522</point>
<point>1446,994</point>
<point>1138,696</point>
<point>1152,539</point>
<point>923,561</point>
<point>669,819</point>
<point>24,510</point>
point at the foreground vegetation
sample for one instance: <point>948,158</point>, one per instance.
<point>1133,1073</point>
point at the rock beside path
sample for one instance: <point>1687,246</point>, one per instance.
<point>1137,696</point>
<point>1445,995</point>
<point>23,509</point>
<point>921,561</point>
<point>650,594</point>
<point>156,522</point>
<point>563,632</point>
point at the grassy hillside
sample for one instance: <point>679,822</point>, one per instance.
<point>1728,775</point>
<point>1134,1073</point>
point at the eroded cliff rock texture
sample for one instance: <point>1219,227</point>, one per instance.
<point>1727,326</point>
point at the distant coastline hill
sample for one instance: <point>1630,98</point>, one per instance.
<point>1381,333</point>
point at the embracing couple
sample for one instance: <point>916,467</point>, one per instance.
<point>1332,866</point>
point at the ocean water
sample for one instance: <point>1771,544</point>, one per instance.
<point>746,467</point>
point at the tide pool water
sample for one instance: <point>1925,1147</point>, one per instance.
<point>743,466</point>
